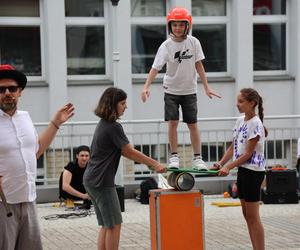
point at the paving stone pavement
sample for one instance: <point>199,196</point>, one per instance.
<point>225,227</point>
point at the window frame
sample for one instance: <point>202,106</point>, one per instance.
<point>274,19</point>
<point>223,20</point>
<point>149,21</point>
<point>89,22</point>
<point>30,22</point>
<point>145,21</point>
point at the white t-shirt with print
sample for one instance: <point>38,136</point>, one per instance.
<point>244,131</point>
<point>180,57</point>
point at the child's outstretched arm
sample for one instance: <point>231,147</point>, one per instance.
<point>146,92</point>
<point>201,72</point>
<point>131,153</point>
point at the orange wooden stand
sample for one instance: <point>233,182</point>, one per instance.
<point>176,220</point>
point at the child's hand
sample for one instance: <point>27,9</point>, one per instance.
<point>145,95</point>
<point>210,93</point>
<point>160,169</point>
<point>224,171</point>
<point>216,166</point>
<point>85,196</point>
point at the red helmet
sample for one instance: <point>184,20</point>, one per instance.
<point>179,14</point>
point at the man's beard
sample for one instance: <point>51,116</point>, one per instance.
<point>8,106</point>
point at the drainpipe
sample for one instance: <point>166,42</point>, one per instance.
<point>116,58</point>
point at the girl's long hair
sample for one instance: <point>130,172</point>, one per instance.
<point>250,95</point>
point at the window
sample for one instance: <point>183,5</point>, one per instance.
<point>213,41</point>
<point>20,8</point>
<point>148,8</point>
<point>88,8</point>
<point>210,27</point>
<point>85,34</point>
<point>269,35</point>
<point>20,41</point>
<point>145,42</point>
<point>20,46</point>
<point>148,31</point>
<point>85,50</point>
<point>208,8</point>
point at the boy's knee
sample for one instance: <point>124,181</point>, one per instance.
<point>173,123</point>
<point>192,125</point>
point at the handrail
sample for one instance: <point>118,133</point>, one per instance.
<point>148,121</point>
<point>153,140</point>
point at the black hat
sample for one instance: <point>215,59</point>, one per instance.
<point>9,72</point>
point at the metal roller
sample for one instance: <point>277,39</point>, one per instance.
<point>172,179</point>
<point>181,181</point>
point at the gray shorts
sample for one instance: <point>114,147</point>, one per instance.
<point>107,205</point>
<point>188,105</point>
<point>21,230</point>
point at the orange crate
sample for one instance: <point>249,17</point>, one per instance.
<point>176,220</point>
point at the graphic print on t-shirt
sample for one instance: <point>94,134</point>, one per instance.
<point>184,55</point>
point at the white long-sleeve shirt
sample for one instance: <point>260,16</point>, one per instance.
<point>18,147</point>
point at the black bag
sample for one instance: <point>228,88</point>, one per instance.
<point>233,190</point>
<point>146,186</point>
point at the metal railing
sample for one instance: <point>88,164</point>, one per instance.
<point>150,137</point>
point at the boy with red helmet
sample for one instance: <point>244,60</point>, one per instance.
<point>183,54</point>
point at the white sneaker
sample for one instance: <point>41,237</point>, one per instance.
<point>199,164</point>
<point>174,161</point>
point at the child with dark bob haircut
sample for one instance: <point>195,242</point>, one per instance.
<point>109,143</point>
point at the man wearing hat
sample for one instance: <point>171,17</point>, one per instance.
<point>20,146</point>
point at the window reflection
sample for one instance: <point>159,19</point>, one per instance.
<point>213,41</point>
<point>148,8</point>
<point>269,46</point>
<point>208,7</point>
<point>20,8</point>
<point>20,46</point>
<point>269,7</point>
<point>145,43</point>
<point>86,8</point>
<point>85,50</point>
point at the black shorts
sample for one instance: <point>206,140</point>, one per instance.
<point>249,184</point>
<point>188,105</point>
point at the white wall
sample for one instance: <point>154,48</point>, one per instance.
<point>281,96</point>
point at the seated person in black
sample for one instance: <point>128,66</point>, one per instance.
<point>70,183</point>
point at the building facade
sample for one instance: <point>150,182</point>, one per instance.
<point>72,50</point>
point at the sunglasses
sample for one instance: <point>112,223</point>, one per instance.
<point>11,89</point>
